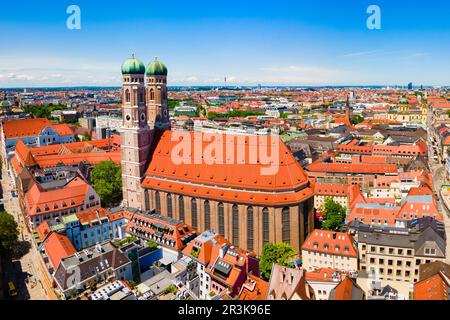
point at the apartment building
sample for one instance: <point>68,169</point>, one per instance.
<point>396,253</point>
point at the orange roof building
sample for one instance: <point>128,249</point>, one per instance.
<point>33,132</point>
<point>232,183</point>
<point>223,267</point>
<point>433,288</point>
<point>57,246</point>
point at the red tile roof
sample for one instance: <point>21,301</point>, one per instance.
<point>71,195</point>
<point>433,288</point>
<point>57,246</point>
<point>325,241</point>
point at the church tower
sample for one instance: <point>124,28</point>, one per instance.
<point>136,136</point>
<point>157,109</point>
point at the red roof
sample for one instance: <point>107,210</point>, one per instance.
<point>186,171</point>
<point>330,242</point>
<point>57,246</point>
<point>25,127</point>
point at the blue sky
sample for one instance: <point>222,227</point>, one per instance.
<point>298,42</point>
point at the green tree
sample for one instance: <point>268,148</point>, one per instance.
<point>9,232</point>
<point>107,181</point>
<point>334,215</point>
<point>357,119</point>
<point>86,137</point>
<point>279,253</point>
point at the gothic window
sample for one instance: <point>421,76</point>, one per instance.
<point>181,208</point>
<point>285,225</point>
<point>141,97</point>
<point>265,218</point>
<point>194,213</point>
<point>221,219</point>
<point>169,205</point>
<point>157,202</point>
<point>250,228</point>
<point>152,94</point>
<point>235,222</point>
<point>207,215</point>
<point>127,95</point>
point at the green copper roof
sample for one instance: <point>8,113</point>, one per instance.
<point>133,66</point>
<point>70,218</point>
<point>156,68</point>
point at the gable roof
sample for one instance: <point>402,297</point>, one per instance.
<point>24,127</point>
<point>347,289</point>
<point>58,246</point>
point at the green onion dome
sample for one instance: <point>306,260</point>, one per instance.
<point>156,68</point>
<point>133,66</point>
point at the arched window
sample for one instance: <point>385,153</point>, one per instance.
<point>194,213</point>
<point>207,215</point>
<point>221,219</point>
<point>157,202</point>
<point>152,94</point>
<point>141,97</point>
<point>265,219</point>
<point>169,206</point>
<point>235,224</point>
<point>250,228</point>
<point>181,208</point>
<point>285,225</point>
<point>303,210</point>
<point>127,95</point>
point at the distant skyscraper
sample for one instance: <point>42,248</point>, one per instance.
<point>410,86</point>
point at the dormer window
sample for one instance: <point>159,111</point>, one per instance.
<point>46,208</point>
<point>55,206</point>
<point>64,204</point>
<point>72,203</point>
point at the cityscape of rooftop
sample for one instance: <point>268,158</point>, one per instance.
<point>228,158</point>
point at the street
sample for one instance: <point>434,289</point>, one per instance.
<point>21,267</point>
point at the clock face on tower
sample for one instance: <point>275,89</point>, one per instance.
<point>128,117</point>
<point>142,117</point>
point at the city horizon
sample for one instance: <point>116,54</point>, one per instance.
<point>301,45</point>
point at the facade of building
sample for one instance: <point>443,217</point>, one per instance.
<point>86,228</point>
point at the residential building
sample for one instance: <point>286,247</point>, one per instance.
<point>329,249</point>
<point>396,253</point>
<point>288,284</point>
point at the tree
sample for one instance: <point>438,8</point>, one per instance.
<point>86,136</point>
<point>357,119</point>
<point>279,253</point>
<point>334,215</point>
<point>9,232</point>
<point>107,181</point>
